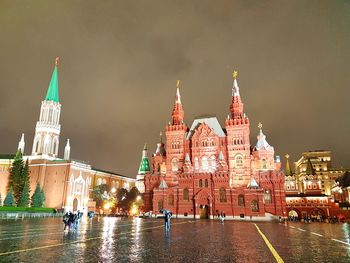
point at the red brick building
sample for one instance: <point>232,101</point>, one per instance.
<point>205,170</point>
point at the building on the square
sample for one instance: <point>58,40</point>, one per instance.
<point>206,170</point>
<point>309,188</point>
<point>341,192</point>
<point>66,183</point>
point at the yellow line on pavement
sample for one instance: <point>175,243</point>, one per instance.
<point>80,241</point>
<point>272,249</point>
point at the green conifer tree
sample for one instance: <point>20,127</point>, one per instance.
<point>37,197</point>
<point>0,200</point>
<point>15,178</point>
<point>25,178</point>
<point>25,199</point>
<point>42,197</point>
<point>9,200</point>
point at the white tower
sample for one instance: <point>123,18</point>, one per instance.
<point>47,130</point>
<point>21,144</point>
<point>67,151</point>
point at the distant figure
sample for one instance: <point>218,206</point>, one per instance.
<point>222,217</point>
<point>91,215</point>
<point>167,216</point>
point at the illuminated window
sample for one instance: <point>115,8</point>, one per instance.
<point>267,197</point>
<point>186,195</point>
<point>196,163</point>
<point>239,161</point>
<point>223,195</point>
<point>255,206</point>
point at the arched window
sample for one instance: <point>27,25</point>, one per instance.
<point>212,163</point>
<point>206,183</point>
<point>196,163</point>
<point>200,184</point>
<point>241,200</point>
<point>264,164</point>
<point>171,199</point>
<point>255,206</point>
<point>186,195</point>
<point>239,161</point>
<point>267,196</point>
<point>174,164</point>
<point>99,181</point>
<point>205,165</point>
<point>222,195</point>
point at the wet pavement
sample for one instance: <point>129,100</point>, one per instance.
<point>145,240</point>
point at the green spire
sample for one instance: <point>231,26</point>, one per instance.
<point>52,91</point>
<point>144,166</point>
<point>309,169</point>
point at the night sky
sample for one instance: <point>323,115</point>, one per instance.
<point>120,61</point>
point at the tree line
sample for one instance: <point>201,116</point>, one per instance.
<point>18,192</point>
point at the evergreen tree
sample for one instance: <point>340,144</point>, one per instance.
<point>25,179</point>
<point>15,178</point>
<point>25,199</point>
<point>0,200</point>
<point>42,197</point>
<point>37,198</point>
<point>9,200</point>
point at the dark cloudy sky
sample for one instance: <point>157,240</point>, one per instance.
<point>120,61</point>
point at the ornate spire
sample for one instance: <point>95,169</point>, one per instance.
<point>144,165</point>
<point>160,146</point>
<point>262,143</point>
<point>288,169</point>
<point>178,96</point>
<point>67,151</point>
<point>235,88</point>
<point>52,91</point>
<point>178,113</point>
<point>21,144</point>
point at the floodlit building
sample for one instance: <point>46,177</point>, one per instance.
<point>205,169</point>
<point>66,183</point>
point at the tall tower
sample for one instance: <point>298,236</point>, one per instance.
<point>67,151</point>
<point>144,169</point>
<point>238,143</point>
<point>47,130</point>
<point>175,136</point>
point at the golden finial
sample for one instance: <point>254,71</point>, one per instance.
<point>56,61</point>
<point>287,156</point>
<point>177,83</point>
<point>235,74</point>
<point>260,125</point>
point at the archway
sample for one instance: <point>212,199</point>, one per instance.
<point>75,204</point>
<point>293,213</point>
<point>203,212</point>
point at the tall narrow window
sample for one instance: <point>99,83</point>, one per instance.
<point>241,200</point>
<point>239,161</point>
<point>186,196</point>
<point>222,195</point>
<point>205,165</point>
<point>200,184</point>
<point>196,163</point>
<point>255,206</point>
<point>206,183</point>
<point>174,164</point>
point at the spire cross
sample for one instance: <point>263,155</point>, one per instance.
<point>260,125</point>
<point>235,74</point>
<point>56,61</point>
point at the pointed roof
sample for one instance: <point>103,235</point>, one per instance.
<point>262,144</point>
<point>288,169</point>
<point>212,122</point>
<point>309,168</point>
<point>163,184</point>
<point>160,147</point>
<point>221,156</point>
<point>178,96</point>
<point>252,183</point>
<point>144,165</point>
<point>52,91</point>
<point>235,88</point>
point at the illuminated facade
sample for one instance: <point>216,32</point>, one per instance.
<point>309,189</point>
<point>66,183</point>
<point>206,170</point>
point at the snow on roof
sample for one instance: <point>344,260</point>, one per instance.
<point>212,122</point>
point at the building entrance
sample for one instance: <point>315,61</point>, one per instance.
<point>203,212</point>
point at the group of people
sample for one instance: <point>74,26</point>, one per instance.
<point>71,220</point>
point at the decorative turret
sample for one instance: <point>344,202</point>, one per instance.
<point>160,151</point>
<point>144,165</point>
<point>262,144</point>
<point>21,144</point>
<point>178,113</point>
<point>288,169</point>
<point>47,130</point>
<point>67,151</point>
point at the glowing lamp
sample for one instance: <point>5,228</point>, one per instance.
<point>107,206</point>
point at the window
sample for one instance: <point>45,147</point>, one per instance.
<point>186,195</point>
<point>196,163</point>
<point>267,196</point>
<point>212,163</point>
<point>205,165</point>
<point>200,184</point>
<point>255,206</point>
<point>174,164</point>
<point>239,161</point>
<point>206,183</point>
<point>160,205</point>
<point>264,164</point>
<point>241,200</point>
<point>222,195</point>
<point>171,199</point>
